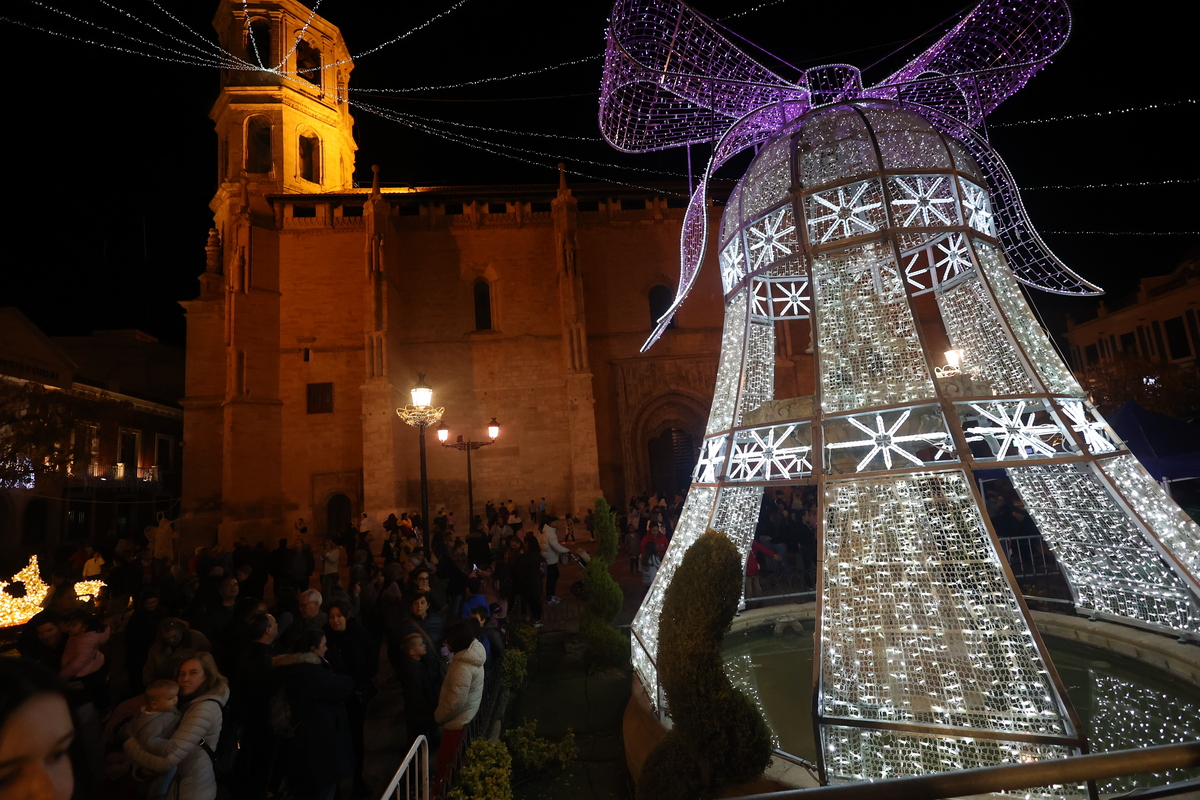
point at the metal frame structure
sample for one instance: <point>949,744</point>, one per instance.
<point>859,202</point>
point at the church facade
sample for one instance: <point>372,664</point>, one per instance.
<point>321,304</point>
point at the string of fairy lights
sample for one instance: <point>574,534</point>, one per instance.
<point>198,50</point>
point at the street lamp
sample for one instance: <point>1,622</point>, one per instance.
<point>420,415</point>
<point>493,430</point>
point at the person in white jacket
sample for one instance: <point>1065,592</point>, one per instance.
<point>462,690</point>
<point>548,538</point>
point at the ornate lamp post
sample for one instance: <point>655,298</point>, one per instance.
<point>443,433</point>
<point>420,415</point>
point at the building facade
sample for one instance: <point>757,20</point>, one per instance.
<point>321,304</point>
<point>109,402</point>
<point>1157,323</point>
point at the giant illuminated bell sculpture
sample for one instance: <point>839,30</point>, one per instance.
<point>863,205</point>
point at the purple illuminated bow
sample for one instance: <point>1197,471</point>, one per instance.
<point>671,79</point>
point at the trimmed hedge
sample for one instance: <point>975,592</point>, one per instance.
<point>719,738</point>
<point>604,643</point>
<point>486,773</point>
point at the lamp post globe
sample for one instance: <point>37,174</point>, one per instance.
<point>493,429</point>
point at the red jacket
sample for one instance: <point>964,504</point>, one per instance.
<point>752,562</point>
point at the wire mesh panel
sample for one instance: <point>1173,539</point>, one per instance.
<point>855,754</point>
<point>758,378</point>
<point>868,350</point>
<point>1167,521</point>
<point>1029,334</point>
<point>976,330</point>
<point>918,624</point>
<point>729,369</point>
<point>898,438</point>
<point>1103,552</point>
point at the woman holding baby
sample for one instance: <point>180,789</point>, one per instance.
<point>203,693</point>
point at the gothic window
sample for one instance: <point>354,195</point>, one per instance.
<point>258,145</point>
<point>310,157</point>
<point>660,301</point>
<point>308,62</point>
<point>483,306</point>
<point>258,43</point>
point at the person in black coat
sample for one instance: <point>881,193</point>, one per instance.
<point>250,697</point>
<point>320,755</point>
<point>353,651</point>
<point>421,679</point>
<point>141,633</point>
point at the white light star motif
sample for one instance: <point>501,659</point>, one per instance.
<point>978,207</point>
<point>712,456</point>
<point>761,454</point>
<point>733,264</point>
<point>885,441</point>
<point>847,210</point>
<point>772,237</point>
<point>927,201</point>
<point>1009,430</point>
<point>1095,433</point>
<point>952,257</point>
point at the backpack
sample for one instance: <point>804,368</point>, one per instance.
<point>280,714</point>
<point>225,753</point>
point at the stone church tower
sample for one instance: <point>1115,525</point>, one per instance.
<point>321,303</point>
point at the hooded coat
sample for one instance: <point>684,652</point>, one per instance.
<point>320,754</point>
<point>462,690</point>
<point>201,722</point>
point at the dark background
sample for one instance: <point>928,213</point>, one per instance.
<point>111,156</point>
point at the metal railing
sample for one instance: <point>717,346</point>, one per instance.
<point>411,781</point>
<point>1029,556</point>
<point>1010,777</point>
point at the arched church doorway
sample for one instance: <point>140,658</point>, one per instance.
<point>672,459</point>
<point>337,514</point>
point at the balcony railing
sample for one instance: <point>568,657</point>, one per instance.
<point>119,477</point>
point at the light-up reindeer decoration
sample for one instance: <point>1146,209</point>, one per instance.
<point>863,205</point>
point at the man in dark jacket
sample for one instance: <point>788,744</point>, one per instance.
<point>250,697</point>
<point>421,681</point>
<point>319,756</point>
<point>280,565</point>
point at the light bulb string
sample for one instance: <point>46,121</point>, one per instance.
<point>299,34</point>
<point>220,51</point>
<point>556,156</point>
<point>1093,114</point>
<point>1125,233</point>
<point>435,121</point>
<point>188,58</point>
<point>496,79</point>
<point>1124,184</point>
<point>498,149</point>
<point>105,45</point>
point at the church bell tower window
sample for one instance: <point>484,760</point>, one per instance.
<point>308,62</point>
<point>258,43</point>
<point>483,306</point>
<point>310,158</point>
<point>258,145</point>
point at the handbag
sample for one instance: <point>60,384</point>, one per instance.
<point>564,558</point>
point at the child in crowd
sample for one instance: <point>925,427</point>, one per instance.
<point>154,727</point>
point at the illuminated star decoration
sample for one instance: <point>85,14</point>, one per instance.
<point>762,455</point>
<point>712,456</point>
<point>1009,430</point>
<point>1096,435</point>
<point>733,265</point>
<point>925,193</point>
<point>847,214</point>
<point>886,441</point>
<point>978,207</point>
<point>769,238</point>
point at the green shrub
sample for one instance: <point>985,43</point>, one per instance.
<point>514,669</point>
<point>523,637</point>
<point>486,773</point>
<point>605,644</point>
<point>533,755</point>
<point>719,738</point>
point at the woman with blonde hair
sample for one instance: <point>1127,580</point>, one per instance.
<point>203,693</point>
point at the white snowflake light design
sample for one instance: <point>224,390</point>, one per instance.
<point>977,207</point>
<point>733,264</point>
<point>885,440</point>
<point>767,454</point>
<point>845,211</point>
<point>772,237</point>
<point>712,456</point>
<point>782,299</point>
<point>941,263</point>
<point>1096,434</point>
<point>1012,432</point>
<point>923,200</point>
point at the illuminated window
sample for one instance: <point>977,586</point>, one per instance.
<point>483,306</point>
<point>308,62</point>
<point>320,398</point>
<point>258,145</point>
<point>310,158</point>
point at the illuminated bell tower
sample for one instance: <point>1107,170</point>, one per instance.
<point>283,118</point>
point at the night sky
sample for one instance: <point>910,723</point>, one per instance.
<point>111,157</point>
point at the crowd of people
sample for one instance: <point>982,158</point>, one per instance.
<point>253,668</point>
